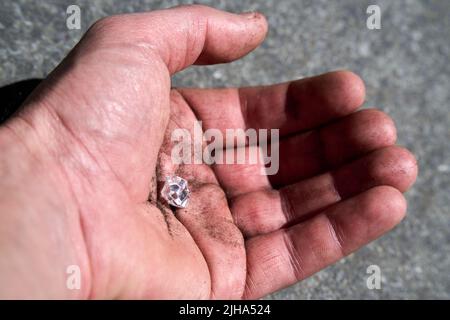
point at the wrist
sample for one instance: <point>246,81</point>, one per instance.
<point>40,233</point>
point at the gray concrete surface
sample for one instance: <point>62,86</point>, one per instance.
<point>407,71</point>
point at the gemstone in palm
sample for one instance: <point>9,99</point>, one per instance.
<point>176,192</point>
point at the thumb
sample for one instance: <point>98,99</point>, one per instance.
<point>108,102</point>
<point>207,36</point>
<point>185,35</point>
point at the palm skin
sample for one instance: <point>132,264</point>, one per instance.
<point>105,119</point>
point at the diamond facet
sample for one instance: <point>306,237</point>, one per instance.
<point>176,191</point>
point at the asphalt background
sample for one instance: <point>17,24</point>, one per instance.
<point>407,72</point>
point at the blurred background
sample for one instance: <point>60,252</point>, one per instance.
<point>406,69</point>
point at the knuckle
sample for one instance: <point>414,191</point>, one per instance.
<point>107,27</point>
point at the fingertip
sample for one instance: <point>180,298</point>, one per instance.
<point>351,86</point>
<point>261,20</point>
<point>258,22</point>
<point>255,17</point>
<point>386,205</point>
<point>379,129</point>
<point>258,19</point>
<point>408,167</point>
<point>396,204</point>
<point>397,167</point>
<point>386,127</point>
<point>340,92</point>
<point>231,36</point>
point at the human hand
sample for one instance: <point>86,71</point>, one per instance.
<point>84,159</point>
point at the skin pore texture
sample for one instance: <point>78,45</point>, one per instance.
<point>84,160</point>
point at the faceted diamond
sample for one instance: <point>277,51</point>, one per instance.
<point>176,191</point>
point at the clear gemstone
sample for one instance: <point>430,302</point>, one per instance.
<point>176,191</point>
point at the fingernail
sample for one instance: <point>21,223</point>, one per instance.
<point>249,15</point>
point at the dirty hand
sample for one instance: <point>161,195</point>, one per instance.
<point>82,162</point>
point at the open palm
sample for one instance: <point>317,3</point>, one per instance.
<point>108,113</point>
